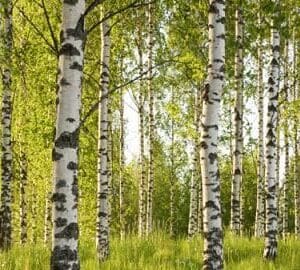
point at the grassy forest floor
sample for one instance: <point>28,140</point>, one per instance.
<point>159,252</point>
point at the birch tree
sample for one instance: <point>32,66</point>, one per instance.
<point>6,155</point>
<point>151,119</point>
<point>102,236</point>
<point>235,223</point>
<point>212,229</point>
<point>122,166</point>
<point>23,200</point>
<point>286,141</point>
<point>142,184</point>
<point>196,178</point>
<point>270,250</point>
<point>65,153</point>
<point>260,202</point>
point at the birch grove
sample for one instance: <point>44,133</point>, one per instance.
<point>134,132</point>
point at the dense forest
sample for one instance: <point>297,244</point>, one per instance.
<point>150,134</point>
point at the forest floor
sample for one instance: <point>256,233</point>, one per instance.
<point>159,252</point>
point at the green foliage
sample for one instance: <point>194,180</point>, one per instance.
<point>159,252</point>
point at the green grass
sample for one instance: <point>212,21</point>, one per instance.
<point>159,252</point>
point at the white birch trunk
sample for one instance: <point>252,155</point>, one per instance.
<point>270,250</point>
<point>151,124</point>
<point>23,198</point>
<point>142,184</point>
<point>102,237</point>
<point>195,180</point>
<point>237,171</point>
<point>65,153</point>
<point>122,166</point>
<point>6,155</point>
<point>286,143</point>
<point>260,200</point>
<point>212,221</point>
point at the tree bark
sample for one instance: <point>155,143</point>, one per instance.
<point>102,238</point>
<point>65,153</point>
<point>23,199</point>
<point>48,218</point>
<point>142,184</point>
<point>296,179</point>
<point>6,155</point>
<point>151,122</point>
<point>286,143</point>
<point>122,166</point>
<point>237,170</point>
<point>260,198</point>
<point>270,250</point>
<point>196,178</point>
<point>213,233</point>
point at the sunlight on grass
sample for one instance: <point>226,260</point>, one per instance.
<point>159,252</point>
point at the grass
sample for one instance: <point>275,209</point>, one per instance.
<point>159,252</point>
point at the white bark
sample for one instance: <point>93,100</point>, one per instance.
<point>122,166</point>
<point>151,123</point>
<point>212,221</point>
<point>260,200</point>
<point>286,142</point>
<point>196,178</point>
<point>102,237</point>
<point>270,251</point>
<point>6,155</point>
<point>235,223</point>
<point>65,153</point>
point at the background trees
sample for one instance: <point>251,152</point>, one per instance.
<point>166,80</point>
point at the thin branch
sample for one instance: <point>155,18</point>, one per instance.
<point>54,39</point>
<point>92,6</point>
<point>38,31</point>
<point>95,105</point>
<point>134,4</point>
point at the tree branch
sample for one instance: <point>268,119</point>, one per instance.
<point>37,30</point>
<point>134,4</point>
<point>54,39</point>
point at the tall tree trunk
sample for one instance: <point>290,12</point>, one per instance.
<point>213,233</point>
<point>109,155</point>
<point>195,181</point>
<point>237,171</point>
<point>172,177</point>
<point>33,213</point>
<point>260,198</point>
<point>65,153</point>
<point>102,238</point>
<point>142,183</point>
<point>23,200</point>
<point>279,189</point>
<point>48,218</point>
<point>151,122</point>
<point>286,142</point>
<point>6,155</point>
<point>270,250</point>
<point>197,142</point>
<point>296,142</point>
<point>122,166</point>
